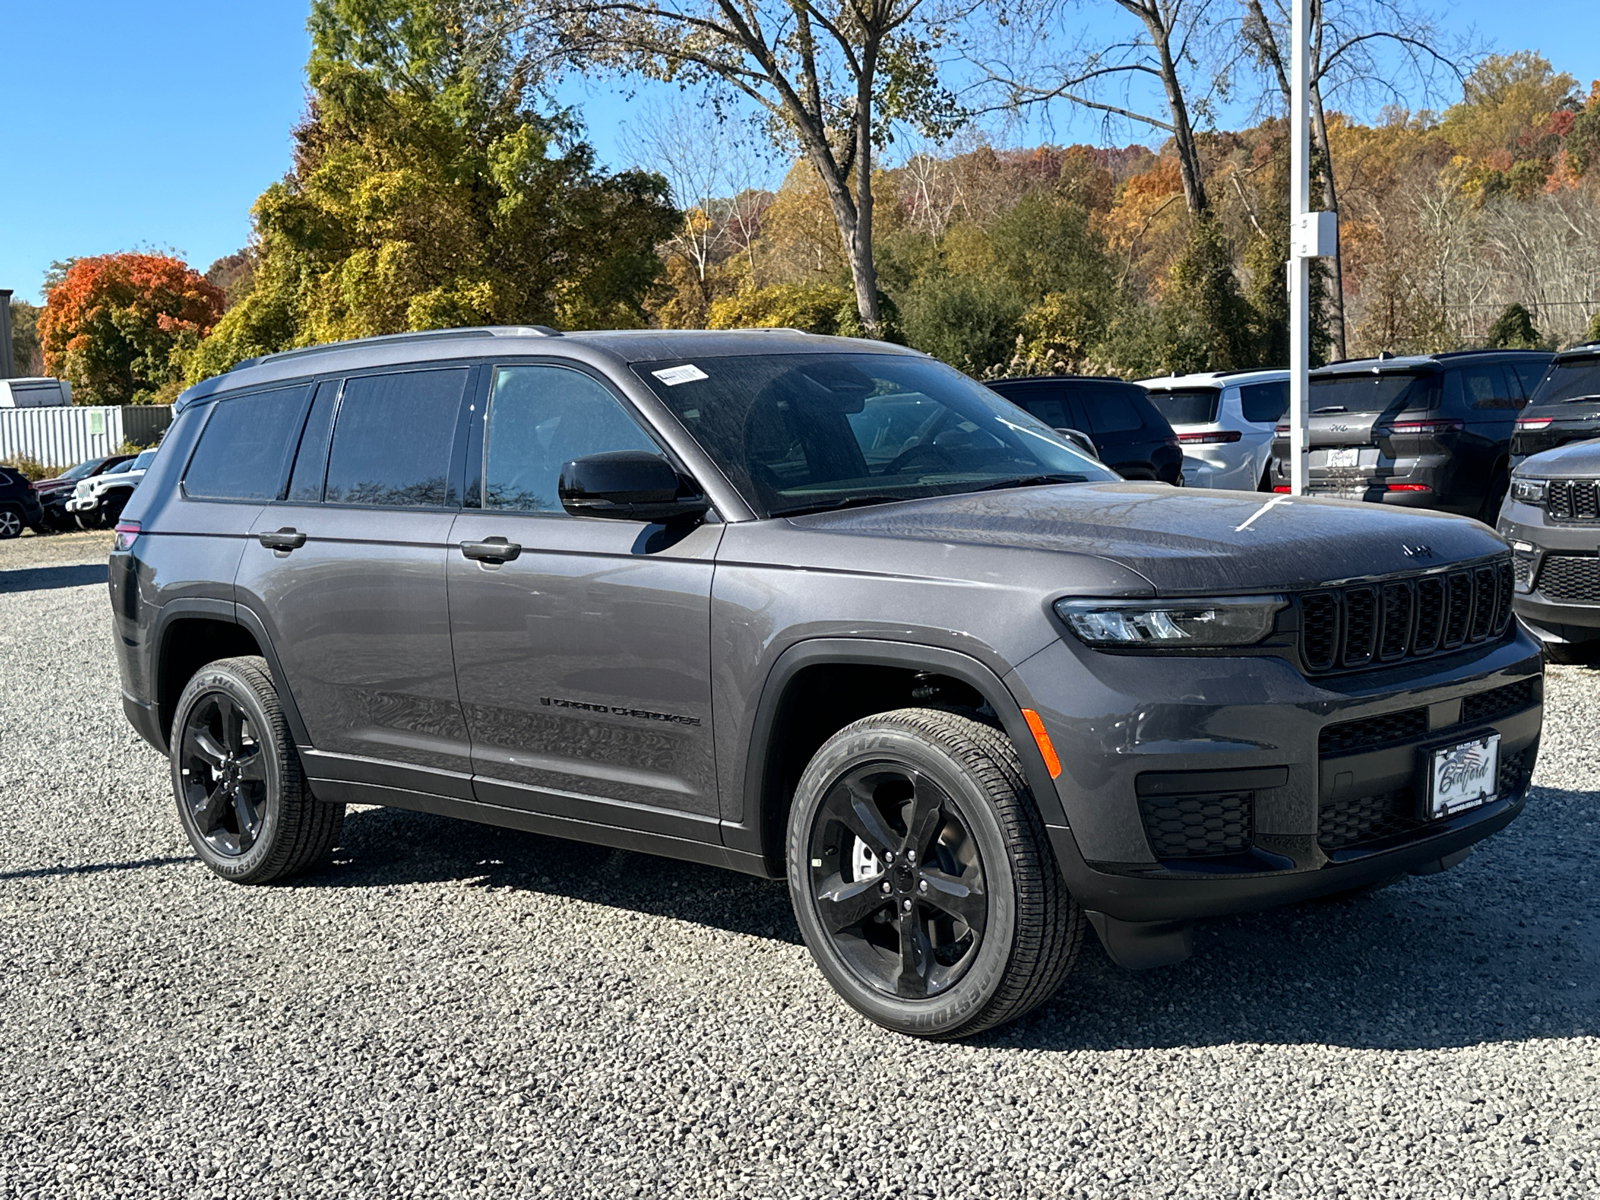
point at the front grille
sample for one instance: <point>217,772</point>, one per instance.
<point>1354,627</point>
<point>1359,819</point>
<point>1204,826</point>
<point>1373,731</point>
<point>1572,500</point>
<point>1573,577</point>
<point>1489,706</point>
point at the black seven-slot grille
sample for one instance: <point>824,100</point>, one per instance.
<point>1343,629</point>
<point>1572,500</point>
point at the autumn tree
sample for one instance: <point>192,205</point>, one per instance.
<point>27,358</point>
<point>427,192</point>
<point>832,77</point>
<point>118,326</point>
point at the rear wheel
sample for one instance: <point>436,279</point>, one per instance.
<point>922,878</point>
<point>241,792</point>
<point>11,523</point>
<point>1489,514</point>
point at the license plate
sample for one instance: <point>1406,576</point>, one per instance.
<point>1464,776</point>
<point>1344,458</point>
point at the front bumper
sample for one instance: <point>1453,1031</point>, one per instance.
<point>1326,772</point>
<point>1557,619</point>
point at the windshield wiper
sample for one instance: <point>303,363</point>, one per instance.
<point>852,502</point>
<point>1032,481</point>
<point>1580,399</point>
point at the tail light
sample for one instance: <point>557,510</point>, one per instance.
<point>125,534</point>
<point>1280,429</point>
<point>1170,441</point>
<point>1281,488</point>
<point>1529,423</point>
<point>1209,439</point>
<point>1408,487</point>
<point>1416,427</point>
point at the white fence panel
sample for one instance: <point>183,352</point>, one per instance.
<point>59,437</point>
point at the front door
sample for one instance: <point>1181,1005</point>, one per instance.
<point>583,662</point>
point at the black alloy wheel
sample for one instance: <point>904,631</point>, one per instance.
<point>224,774</point>
<point>241,791</point>
<point>922,877</point>
<point>898,880</point>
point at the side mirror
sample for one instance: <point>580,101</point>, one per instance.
<point>1082,440</point>
<point>626,485</point>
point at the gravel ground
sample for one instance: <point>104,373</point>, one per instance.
<point>452,1010</point>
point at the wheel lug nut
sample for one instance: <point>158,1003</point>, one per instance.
<point>889,857</point>
<point>886,889</point>
<point>911,856</point>
<point>905,906</point>
<point>922,886</point>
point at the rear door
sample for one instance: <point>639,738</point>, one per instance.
<point>583,655</point>
<point>347,571</point>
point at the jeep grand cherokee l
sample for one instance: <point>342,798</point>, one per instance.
<point>1422,431</point>
<point>810,608</point>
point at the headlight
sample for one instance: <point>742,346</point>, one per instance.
<point>1528,491</point>
<point>1172,624</point>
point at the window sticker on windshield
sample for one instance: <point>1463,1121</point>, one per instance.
<point>673,376</point>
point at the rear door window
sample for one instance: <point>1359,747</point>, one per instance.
<point>1264,403</point>
<point>311,461</point>
<point>393,437</point>
<point>1485,386</point>
<point>244,448</point>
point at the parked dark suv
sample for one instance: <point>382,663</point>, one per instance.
<point>805,607</point>
<point>1418,432</point>
<point>1565,407</point>
<point>19,504</point>
<point>1130,434</point>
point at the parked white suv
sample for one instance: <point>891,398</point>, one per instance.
<point>99,499</point>
<point>1224,422</point>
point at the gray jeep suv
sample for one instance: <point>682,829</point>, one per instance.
<point>806,607</point>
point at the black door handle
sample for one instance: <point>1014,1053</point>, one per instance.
<point>283,539</point>
<point>491,550</point>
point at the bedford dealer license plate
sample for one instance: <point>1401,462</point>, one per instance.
<point>1464,776</point>
<point>1344,458</point>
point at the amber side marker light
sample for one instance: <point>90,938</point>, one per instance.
<point>1041,739</point>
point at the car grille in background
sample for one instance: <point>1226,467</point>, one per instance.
<point>1572,500</point>
<point>1354,627</point>
<point>1204,826</point>
<point>1570,577</point>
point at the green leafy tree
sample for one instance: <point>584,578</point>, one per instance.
<point>1513,329</point>
<point>426,192</point>
<point>27,356</point>
<point>970,322</point>
<point>1592,334</point>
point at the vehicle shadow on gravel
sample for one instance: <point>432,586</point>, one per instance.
<point>39,579</point>
<point>1504,948</point>
<point>385,846</point>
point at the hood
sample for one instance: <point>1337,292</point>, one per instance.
<point>1575,458</point>
<point>1185,541</point>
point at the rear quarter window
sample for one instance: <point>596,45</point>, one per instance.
<point>1191,406</point>
<point>244,447</point>
<point>1112,408</point>
<point>1264,403</point>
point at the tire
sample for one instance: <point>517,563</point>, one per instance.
<point>952,789</point>
<point>111,508</point>
<point>11,523</point>
<point>1573,654</point>
<point>86,521</point>
<point>1489,513</point>
<point>236,776</point>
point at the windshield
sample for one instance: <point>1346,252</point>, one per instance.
<point>1570,379</point>
<point>1187,406</point>
<point>803,432</point>
<point>125,465</point>
<point>1369,393</point>
<point>82,469</point>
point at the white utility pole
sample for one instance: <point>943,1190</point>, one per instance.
<point>1312,235</point>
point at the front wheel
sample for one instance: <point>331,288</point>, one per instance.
<point>922,878</point>
<point>242,795</point>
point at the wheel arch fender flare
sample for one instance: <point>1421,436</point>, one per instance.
<point>229,612</point>
<point>762,808</point>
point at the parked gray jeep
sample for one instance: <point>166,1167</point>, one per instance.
<point>806,607</point>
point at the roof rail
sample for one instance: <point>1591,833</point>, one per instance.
<point>424,335</point>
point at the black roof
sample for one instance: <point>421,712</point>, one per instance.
<point>1415,362</point>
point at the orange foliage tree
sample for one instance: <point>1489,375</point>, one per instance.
<point>119,325</point>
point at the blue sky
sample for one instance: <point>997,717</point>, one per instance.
<point>135,124</point>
